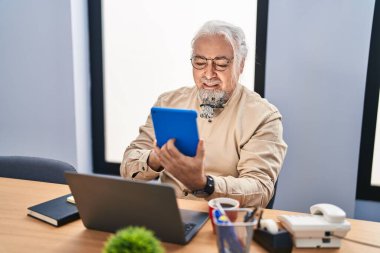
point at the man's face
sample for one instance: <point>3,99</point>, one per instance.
<point>209,78</point>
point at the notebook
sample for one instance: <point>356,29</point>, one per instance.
<point>56,212</point>
<point>109,203</point>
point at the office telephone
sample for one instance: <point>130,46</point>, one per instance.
<point>322,228</point>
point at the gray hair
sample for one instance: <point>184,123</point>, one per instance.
<point>233,34</point>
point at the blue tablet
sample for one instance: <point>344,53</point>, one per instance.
<point>180,124</point>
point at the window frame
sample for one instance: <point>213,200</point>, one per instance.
<point>100,165</point>
<point>364,190</point>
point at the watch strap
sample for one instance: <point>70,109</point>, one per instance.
<point>208,189</point>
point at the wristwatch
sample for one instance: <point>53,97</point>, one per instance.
<point>208,190</point>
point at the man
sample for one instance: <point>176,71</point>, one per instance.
<point>241,150</point>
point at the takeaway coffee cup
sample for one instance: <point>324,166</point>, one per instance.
<point>226,204</point>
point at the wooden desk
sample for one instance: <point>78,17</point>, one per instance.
<point>20,233</point>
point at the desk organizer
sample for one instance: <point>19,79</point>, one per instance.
<point>233,233</point>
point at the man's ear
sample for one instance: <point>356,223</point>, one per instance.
<point>242,66</point>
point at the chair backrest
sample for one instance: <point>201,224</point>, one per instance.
<point>34,168</point>
<point>271,202</point>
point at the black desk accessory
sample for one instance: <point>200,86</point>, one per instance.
<point>277,241</point>
<point>280,242</point>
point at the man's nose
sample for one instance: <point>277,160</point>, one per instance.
<point>210,69</point>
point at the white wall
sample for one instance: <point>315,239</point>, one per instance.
<point>317,55</point>
<point>367,210</point>
<point>39,110</point>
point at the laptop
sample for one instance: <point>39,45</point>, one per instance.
<point>109,203</point>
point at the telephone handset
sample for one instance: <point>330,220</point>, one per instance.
<point>322,228</point>
<point>330,212</point>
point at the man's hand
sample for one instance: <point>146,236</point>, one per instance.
<point>153,160</point>
<point>188,170</point>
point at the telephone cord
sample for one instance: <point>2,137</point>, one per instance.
<point>359,242</point>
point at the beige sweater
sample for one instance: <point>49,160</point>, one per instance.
<point>244,147</point>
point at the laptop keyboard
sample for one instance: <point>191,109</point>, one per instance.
<point>188,227</point>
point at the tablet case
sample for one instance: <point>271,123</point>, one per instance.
<point>180,124</point>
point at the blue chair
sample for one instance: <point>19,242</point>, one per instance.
<point>34,168</point>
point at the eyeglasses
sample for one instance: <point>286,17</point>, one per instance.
<point>219,63</point>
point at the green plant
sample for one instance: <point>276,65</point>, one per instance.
<point>133,240</point>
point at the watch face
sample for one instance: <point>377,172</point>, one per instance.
<point>210,185</point>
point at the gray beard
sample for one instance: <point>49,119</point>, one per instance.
<point>211,102</point>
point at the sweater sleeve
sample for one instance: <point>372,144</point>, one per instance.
<point>260,162</point>
<point>135,159</point>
